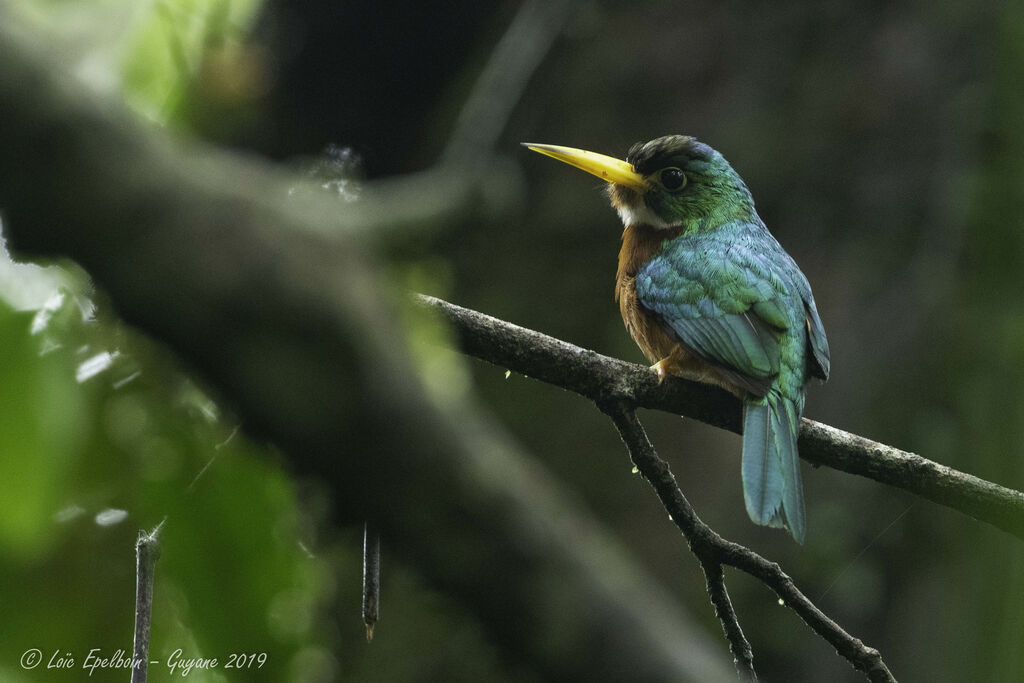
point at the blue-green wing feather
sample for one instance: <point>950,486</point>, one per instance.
<point>720,297</point>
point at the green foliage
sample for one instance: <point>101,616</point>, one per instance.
<point>94,419</point>
<point>179,47</point>
<point>180,62</point>
<point>40,422</point>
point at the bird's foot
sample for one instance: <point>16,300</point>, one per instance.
<point>664,368</point>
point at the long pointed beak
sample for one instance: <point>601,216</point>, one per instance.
<point>606,168</point>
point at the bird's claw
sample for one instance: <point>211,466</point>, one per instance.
<point>661,369</point>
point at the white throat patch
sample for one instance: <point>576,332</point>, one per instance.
<point>641,215</point>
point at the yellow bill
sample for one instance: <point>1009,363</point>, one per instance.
<point>606,168</point>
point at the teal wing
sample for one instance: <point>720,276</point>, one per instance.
<point>723,299</point>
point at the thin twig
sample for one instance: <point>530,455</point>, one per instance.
<point>708,545</point>
<point>742,653</point>
<point>371,578</point>
<point>601,378</point>
<point>147,550</point>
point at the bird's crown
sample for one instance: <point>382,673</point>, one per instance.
<point>681,151</point>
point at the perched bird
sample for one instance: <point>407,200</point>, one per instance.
<point>708,294</point>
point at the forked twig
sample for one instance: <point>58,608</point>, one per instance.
<point>713,551</point>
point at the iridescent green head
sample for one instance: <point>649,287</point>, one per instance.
<point>672,181</point>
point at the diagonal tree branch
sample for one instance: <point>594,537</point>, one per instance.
<point>602,379</point>
<point>713,551</point>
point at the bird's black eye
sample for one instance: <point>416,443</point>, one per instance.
<point>672,178</point>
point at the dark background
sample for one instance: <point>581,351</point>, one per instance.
<point>883,148</point>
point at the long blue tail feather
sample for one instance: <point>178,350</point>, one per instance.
<point>772,488</point>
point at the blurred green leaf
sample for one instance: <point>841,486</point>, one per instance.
<point>178,45</point>
<point>41,424</point>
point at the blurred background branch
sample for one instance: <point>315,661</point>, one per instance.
<point>294,325</point>
<point>501,84</point>
<point>469,168</point>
